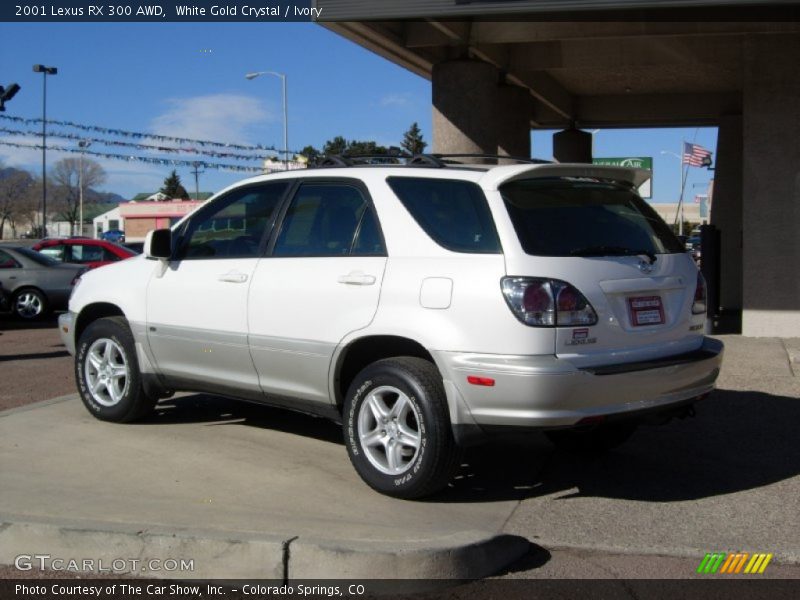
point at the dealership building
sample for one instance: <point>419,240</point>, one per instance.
<point>499,69</point>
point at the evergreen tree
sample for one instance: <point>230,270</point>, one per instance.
<point>173,188</point>
<point>412,140</point>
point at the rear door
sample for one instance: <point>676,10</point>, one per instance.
<point>605,241</point>
<point>320,281</point>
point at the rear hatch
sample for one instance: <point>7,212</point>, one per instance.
<point>597,235</point>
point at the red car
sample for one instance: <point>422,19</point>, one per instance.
<point>84,251</point>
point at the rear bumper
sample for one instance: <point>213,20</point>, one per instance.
<point>535,392</point>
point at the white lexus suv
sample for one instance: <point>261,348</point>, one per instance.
<point>426,306</point>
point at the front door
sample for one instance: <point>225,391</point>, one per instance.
<point>197,309</point>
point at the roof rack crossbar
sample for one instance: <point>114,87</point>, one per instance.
<point>498,157</point>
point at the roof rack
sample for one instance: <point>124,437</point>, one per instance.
<point>436,161</point>
<point>497,157</point>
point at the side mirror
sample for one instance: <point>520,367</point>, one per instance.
<point>158,244</point>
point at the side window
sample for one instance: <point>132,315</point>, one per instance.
<point>368,238</point>
<point>323,220</point>
<point>83,253</point>
<point>54,252</point>
<point>108,255</point>
<point>453,213</point>
<point>7,261</point>
<point>234,225</point>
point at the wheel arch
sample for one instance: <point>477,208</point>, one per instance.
<point>360,352</point>
<point>91,313</point>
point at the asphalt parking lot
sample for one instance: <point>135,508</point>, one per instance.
<point>727,480</point>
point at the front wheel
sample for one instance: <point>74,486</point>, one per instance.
<point>397,428</point>
<point>107,372</point>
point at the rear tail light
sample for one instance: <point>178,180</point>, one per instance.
<point>547,302</point>
<point>699,305</point>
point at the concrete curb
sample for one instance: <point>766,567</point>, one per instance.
<point>470,555</point>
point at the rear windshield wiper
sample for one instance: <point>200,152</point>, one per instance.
<point>613,251</point>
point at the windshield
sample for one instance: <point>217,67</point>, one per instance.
<point>37,257</point>
<point>564,217</point>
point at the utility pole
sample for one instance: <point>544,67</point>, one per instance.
<point>197,172</point>
<point>83,144</point>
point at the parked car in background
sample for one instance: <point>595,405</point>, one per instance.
<point>113,235</point>
<point>137,247</point>
<point>83,251</point>
<point>4,300</point>
<point>34,283</point>
<point>693,246</point>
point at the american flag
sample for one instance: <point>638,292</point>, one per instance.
<point>693,154</point>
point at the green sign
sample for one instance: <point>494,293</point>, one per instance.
<point>636,162</point>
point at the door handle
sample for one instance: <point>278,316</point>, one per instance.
<point>233,277</point>
<point>357,278</point>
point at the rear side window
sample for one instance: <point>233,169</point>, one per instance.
<point>83,253</point>
<point>561,217</point>
<point>453,213</point>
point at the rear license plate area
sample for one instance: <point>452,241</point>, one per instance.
<point>646,310</point>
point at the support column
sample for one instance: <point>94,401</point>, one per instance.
<point>513,114</point>
<point>572,146</point>
<point>771,187</point>
<point>726,210</point>
<point>464,107</point>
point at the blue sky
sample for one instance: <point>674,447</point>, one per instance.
<point>187,80</point>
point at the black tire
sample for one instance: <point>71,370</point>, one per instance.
<point>30,304</point>
<point>599,439</point>
<point>116,397</point>
<point>412,388</point>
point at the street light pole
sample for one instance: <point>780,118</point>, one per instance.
<point>285,112</point>
<point>83,144</point>
<point>45,71</point>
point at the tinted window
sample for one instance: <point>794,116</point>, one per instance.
<point>322,220</point>
<point>454,213</point>
<point>368,238</point>
<point>559,217</point>
<point>85,253</point>
<point>232,226</point>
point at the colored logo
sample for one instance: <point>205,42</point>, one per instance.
<point>735,563</point>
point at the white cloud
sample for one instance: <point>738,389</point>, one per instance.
<point>395,100</point>
<point>217,117</point>
<point>22,158</point>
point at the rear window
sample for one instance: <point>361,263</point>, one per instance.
<point>453,213</point>
<point>37,257</point>
<point>561,217</point>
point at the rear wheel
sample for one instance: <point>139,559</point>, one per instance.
<point>107,372</point>
<point>30,304</point>
<point>397,428</point>
<point>600,439</point>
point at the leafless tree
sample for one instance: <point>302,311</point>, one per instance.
<point>14,199</point>
<point>66,178</point>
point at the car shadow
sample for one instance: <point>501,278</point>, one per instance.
<point>35,355</point>
<point>10,322</point>
<point>738,441</point>
<point>217,410</point>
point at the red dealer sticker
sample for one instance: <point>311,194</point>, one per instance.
<point>646,310</point>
